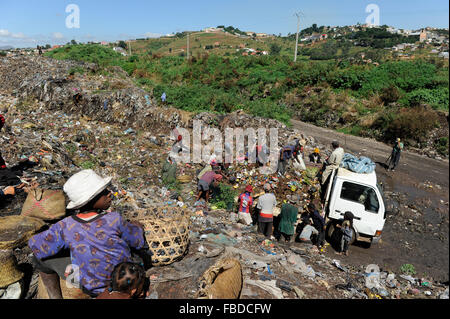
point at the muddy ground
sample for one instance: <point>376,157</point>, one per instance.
<point>417,231</point>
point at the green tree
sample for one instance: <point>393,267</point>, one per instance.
<point>123,45</point>
<point>73,42</point>
<point>275,49</point>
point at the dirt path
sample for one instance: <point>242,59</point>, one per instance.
<point>418,233</point>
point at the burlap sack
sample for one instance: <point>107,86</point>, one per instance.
<point>223,280</point>
<point>45,204</point>
<point>15,231</point>
<point>67,293</point>
<point>9,273</point>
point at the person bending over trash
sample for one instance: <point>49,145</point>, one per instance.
<point>97,240</point>
<point>307,232</point>
<point>318,222</point>
<point>205,182</point>
<point>128,281</point>
<point>315,157</point>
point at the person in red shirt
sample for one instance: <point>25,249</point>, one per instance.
<point>245,205</point>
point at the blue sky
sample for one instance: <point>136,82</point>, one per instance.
<point>32,22</point>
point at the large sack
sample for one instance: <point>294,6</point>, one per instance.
<point>9,273</point>
<point>45,204</point>
<point>15,231</point>
<point>362,165</point>
<point>67,293</point>
<point>223,280</point>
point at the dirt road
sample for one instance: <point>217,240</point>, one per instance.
<point>417,233</point>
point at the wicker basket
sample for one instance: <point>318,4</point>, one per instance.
<point>167,233</point>
<point>223,280</point>
<point>184,179</point>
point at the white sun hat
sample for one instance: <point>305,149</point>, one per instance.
<point>83,187</point>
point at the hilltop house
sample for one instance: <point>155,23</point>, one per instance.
<point>120,50</point>
<point>208,30</point>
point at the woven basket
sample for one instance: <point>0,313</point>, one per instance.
<point>223,280</point>
<point>9,273</point>
<point>16,230</point>
<point>184,178</point>
<point>167,234</point>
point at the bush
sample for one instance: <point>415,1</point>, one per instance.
<point>2,53</point>
<point>412,123</point>
<point>275,49</point>
<point>408,269</point>
<point>389,95</point>
<point>223,197</point>
<point>441,145</point>
<point>436,98</point>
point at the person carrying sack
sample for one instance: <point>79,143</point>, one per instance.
<point>96,240</point>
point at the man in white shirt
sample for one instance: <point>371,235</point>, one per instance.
<point>266,204</point>
<point>333,161</point>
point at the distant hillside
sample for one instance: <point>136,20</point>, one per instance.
<point>6,47</point>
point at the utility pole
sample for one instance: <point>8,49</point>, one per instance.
<point>188,46</point>
<point>129,46</point>
<point>296,38</point>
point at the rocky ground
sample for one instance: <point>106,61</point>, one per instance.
<point>115,130</point>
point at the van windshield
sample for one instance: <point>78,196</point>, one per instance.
<point>361,194</point>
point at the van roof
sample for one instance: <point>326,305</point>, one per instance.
<point>366,178</point>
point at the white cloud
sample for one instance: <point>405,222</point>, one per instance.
<point>57,35</point>
<point>4,33</point>
<point>19,35</point>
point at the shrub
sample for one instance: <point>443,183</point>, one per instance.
<point>275,49</point>
<point>2,53</point>
<point>408,269</point>
<point>223,196</point>
<point>390,94</point>
<point>441,145</point>
<point>412,123</point>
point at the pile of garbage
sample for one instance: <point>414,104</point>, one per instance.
<point>119,133</point>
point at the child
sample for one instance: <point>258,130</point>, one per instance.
<point>347,234</point>
<point>308,231</point>
<point>128,281</point>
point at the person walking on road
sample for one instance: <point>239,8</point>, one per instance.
<point>395,155</point>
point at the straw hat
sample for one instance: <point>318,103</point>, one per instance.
<point>9,273</point>
<point>83,187</point>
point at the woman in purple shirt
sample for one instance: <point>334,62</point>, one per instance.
<point>97,240</point>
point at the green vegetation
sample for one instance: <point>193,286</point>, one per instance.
<point>408,269</point>
<point>223,197</point>
<point>328,86</point>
